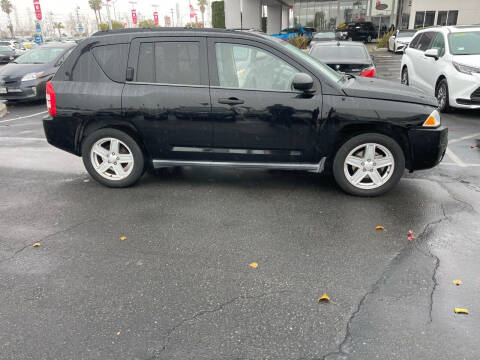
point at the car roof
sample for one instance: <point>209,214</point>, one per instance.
<point>452,28</point>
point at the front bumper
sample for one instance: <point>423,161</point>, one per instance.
<point>427,147</point>
<point>461,90</point>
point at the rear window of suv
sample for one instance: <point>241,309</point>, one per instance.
<point>113,60</point>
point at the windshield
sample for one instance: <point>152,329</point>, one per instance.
<point>40,56</point>
<point>339,53</point>
<point>321,67</point>
<point>465,43</point>
<point>402,33</point>
<point>5,48</point>
<point>325,35</point>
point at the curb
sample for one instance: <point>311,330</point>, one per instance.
<point>3,109</point>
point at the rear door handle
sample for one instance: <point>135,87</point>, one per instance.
<point>231,101</point>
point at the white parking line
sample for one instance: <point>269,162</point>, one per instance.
<point>463,138</point>
<point>455,158</point>
<point>24,117</point>
<point>13,138</point>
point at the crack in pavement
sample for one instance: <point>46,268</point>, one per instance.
<point>220,307</point>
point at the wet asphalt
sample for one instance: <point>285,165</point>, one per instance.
<point>180,286</point>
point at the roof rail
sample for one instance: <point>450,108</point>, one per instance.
<point>168,29</point>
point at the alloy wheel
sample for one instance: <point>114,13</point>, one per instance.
<point>369,166</point>
<point>112,158</point>
<point>442,96</point>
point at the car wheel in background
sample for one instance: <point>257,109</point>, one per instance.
<point>368,164</point>
<point>441,93</point>
<point>404,79</point>
<point>113,158</point>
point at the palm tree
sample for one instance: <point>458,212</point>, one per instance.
<point>7,9</point>
<point>59,26</point>
<point>202,4</point>
<point>96,5</point>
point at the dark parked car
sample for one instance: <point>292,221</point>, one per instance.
<point>126,100</point>
<point>7,54</point>
<point>357,31</point>
<point>345,56</point>
<point>25,77</point>
<point>324,36</point>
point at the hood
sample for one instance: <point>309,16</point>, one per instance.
<point>386,90</point>
<point>470,60</point>
<point>15,70</point>
<point>404,39</point>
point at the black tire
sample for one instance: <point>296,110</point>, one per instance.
<point>442,95</point>
<point>351,144</point>
<point>404,78</point>
<point>138,157</point>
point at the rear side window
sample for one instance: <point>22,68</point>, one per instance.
<point>86,69</point>
<point>113,60</point>
<point>169,63</point>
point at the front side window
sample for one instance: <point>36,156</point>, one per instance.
<point>415,40</point>
<point>425,41</point>
<point>439,44</point>
<point>169,62</point>
<point>248,67</point>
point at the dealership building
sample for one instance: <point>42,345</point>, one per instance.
<point>328,14</point>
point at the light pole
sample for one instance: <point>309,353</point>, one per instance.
<point>107,5</point>
<point>171,11</point>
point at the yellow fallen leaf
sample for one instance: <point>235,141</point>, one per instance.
<point>324,298</point>
<point>118,332</point>
<point>460,311</point>
<point>379,227</point>
<point>37,244</point>
<point>458,282</point>
<point>123,238</point>
<point>253,265</point>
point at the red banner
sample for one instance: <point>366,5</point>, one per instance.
<point>38,9</point>
<point>134,16</point>
<point>155,17</point>
<point>192,11</point>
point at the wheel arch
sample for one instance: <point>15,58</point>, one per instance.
<point>440,78</point>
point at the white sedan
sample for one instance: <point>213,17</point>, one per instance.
<point>400,40</point>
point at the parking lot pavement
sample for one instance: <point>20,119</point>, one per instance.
<point>180,285</point>
<point>387,64</point>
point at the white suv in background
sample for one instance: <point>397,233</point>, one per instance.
<point>445,62</point>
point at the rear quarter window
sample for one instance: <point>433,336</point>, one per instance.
<point>86,69</point>
<point>113,60</point>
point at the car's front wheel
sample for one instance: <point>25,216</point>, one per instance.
<point>113,158</point>
<point>368,164</point>
<point>441,93</point>
<point>404,79</point>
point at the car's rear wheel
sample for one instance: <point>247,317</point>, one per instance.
<point>404,79</point>
<point>113,158</point>
<point>441,93</point>
<point>368,164</point>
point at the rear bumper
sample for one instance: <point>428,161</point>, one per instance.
<point>61,133</point>
<point>427,147</point>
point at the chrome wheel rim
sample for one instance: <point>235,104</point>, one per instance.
<point>404,77</point>
<point>369,166</point>
<point>442,96</point>
<point>112,159</point>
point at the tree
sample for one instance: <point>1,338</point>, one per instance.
<point>149,23</point>
<point>7,9</point>
<point>96,5</point>
<point>202,4</point>
<point>59,26</point>
<point>218,14</point>
<point>115,25</point>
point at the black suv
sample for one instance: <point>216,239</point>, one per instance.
<point>131,99</point>
<point>357,31</point>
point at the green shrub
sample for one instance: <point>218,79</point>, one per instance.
<point>300,42</point>
<point>383,40</point>
<point>218,14</point>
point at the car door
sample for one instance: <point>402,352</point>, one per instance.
<point>258,117</point>
<point>434,66</point>
<point>167,95</point>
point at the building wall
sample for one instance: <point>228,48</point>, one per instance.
<point>468,10</point>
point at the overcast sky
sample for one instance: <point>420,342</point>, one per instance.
<point>61,8</point>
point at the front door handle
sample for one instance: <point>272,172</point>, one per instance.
<point>231,101</point>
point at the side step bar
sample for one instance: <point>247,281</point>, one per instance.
<point>317,168</point>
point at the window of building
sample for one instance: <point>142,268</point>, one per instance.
<point>424,19</point>
<point>452,17</point>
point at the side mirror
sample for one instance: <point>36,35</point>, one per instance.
<point>433,53</point>
<point>303,82</point>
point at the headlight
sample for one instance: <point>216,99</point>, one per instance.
<point>32,76</point>
<point>433,120</point>
<point>465,68</point>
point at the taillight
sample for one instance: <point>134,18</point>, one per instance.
<point>51,103</point>
<point>369,72</point>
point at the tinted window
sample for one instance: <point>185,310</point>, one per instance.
<point>113,60</point>
<point>177,63</point>
<point>86,69</point>
<point>326,35</point>
<point>340,53</point>
<point>415,40</point>
<point>439,43</point>
<point>145,70</point>
<point>425,41</point>
<point>248,67</point>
